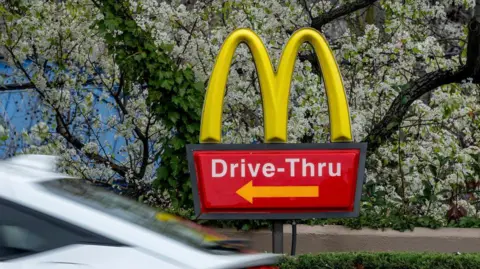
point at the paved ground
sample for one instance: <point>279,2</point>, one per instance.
<point>311,239</point>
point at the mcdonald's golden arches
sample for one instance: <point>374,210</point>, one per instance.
<point>275,86</point>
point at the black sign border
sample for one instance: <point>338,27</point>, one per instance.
<point>273,146</point>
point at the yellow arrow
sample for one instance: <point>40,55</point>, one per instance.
<point>248,191</point>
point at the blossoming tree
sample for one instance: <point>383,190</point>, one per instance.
<point>410,69</point>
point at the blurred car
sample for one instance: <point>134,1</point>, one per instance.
<point>51,220</point>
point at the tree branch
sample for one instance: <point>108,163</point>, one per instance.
<point>31,86</point>
<point>412,91</point>
<point>75,142</point>
<point>146,151</point>
<point>473,45</point>
<point>384,129</point>
<point>320,21</point>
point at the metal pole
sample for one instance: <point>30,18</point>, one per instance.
<point>277,236</point>
<point>294,238</point>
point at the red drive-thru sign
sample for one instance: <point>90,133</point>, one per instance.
<point>276,180</point>
<point>280,180</point>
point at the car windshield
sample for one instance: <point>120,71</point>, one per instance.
<point>81,191</point>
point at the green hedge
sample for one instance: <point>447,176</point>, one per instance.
<point>393,260</point>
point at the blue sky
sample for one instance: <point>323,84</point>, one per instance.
<point>18,106</point>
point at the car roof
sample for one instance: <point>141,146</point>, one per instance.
<point>30,168</point>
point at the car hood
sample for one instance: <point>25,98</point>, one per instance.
<point>246,260</point>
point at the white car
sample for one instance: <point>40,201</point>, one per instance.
<point>51,220</point>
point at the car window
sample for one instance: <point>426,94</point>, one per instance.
<point>20,238</point>
<point>21,234</point>
<point>83,192</point>
<point>25,232</point>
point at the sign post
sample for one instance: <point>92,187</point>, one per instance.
<point>276,180</point>
<point>277,236</point>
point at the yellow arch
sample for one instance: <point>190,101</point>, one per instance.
<point>275,87</point>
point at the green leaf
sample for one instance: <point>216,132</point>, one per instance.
<point>166,84</point>
<point>191,128</point>
<point>199,86</point>
<point>172,181</point>
<point>246,227</point>
<point>188,75</point>
<point>391,125</point>
<point>179,79</point>
<point>178,143</point>
<point>162,172</point>
<point>173,116</point>
<point>131,24</point>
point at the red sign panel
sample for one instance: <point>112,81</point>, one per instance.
<point>276,180</point>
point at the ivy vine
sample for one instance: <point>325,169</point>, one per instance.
<point>173,93</point>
